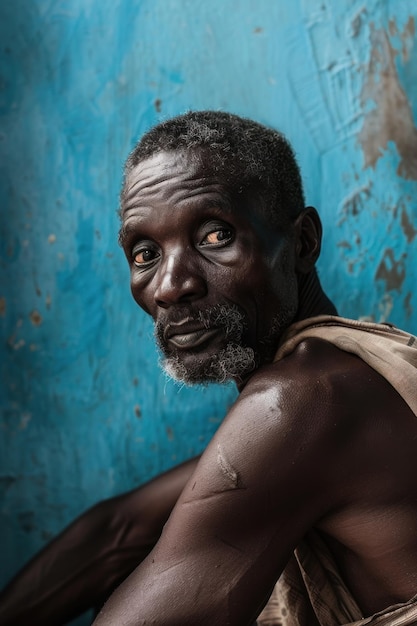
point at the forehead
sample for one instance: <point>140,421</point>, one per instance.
<point>173,175</point>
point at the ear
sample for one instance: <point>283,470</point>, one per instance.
<point>308,231</point>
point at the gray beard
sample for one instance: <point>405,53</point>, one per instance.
<point>232,362</point>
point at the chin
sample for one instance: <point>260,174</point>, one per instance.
<point>234,362</point>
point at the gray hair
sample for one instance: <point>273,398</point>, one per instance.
<point>250,155</point>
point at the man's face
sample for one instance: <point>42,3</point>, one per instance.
<point>217,279</point>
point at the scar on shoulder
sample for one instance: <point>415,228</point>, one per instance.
<point>228,471</point>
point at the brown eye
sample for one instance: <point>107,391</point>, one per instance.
<point>221,235</point>
<point>144,256</point>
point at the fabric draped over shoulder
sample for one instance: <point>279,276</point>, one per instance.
<point>311,591</point>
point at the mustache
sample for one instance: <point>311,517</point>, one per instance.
<point>226,316</point>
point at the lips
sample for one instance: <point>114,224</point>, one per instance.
<point>188,335</point>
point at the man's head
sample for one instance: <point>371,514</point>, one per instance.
<point>211,212</point>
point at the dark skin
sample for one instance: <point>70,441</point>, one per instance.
<point>317,440</point>
<point>83,565</point>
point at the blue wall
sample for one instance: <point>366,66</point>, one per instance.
<point>85,411</point>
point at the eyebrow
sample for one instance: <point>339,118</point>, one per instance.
<point>128,227</point>
<point>124,232</point>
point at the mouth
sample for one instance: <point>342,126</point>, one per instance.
<point>186,335</point>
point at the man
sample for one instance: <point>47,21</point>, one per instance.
<point>317,458</point>
<point>222,255</point>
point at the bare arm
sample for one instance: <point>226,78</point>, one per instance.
<point>84,564</point>
<point>262,482</point>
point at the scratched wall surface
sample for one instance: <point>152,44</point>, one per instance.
<point>85,411</point>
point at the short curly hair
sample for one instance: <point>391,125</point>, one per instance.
<point>250,154</point>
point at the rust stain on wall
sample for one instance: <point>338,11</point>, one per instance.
<point>36,318</point>
<point>391,119</point>
<point>391,271</point>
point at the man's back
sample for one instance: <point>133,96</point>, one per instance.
<point>371,523</point>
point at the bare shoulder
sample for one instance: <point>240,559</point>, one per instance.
<point>314,421</point>
<point>290,433</point>
<point>315,389</point>
<point>326,385</point>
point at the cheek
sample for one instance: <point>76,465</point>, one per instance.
<point>246,286</point>
<point>140,295</point>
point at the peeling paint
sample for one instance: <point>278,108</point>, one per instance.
<point>409,231</point>
<point>391,118</point>
<point>407,305</point>
<point>356,22</point>
<point>138,411</point>
<point>2,307</point>
<point>52,238</point>
<point>385,307</point>
<point>344,244</point>
<point>391,271</point>
<point>406,37</point>
<point>354,202</point>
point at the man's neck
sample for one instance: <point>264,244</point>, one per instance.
<point>312,299</point>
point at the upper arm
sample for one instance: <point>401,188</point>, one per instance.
<point>260,485</point>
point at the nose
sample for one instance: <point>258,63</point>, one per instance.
<point>179,281</point>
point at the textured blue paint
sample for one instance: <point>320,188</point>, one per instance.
<point>85,411</point>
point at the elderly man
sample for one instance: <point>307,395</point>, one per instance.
<point>309,485</point>
<point>319,453</point>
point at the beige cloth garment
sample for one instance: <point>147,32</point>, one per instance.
<point>310,591</point>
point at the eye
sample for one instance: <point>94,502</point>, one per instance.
<point>218,236</point>
<point>144,256</point>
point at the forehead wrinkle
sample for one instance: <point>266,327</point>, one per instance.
<point>154,171</point>
<point>211,194</point>
<point>173,189</point>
